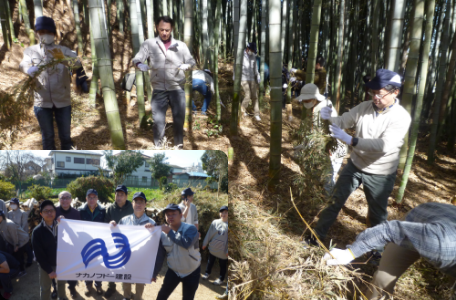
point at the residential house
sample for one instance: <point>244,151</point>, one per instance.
<point>66,162</point>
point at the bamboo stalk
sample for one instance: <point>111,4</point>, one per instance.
<point>107,81</point>
<point>25,16</point>
<point>188,39</point>
<point>419,4</point>
<point>275,67</point>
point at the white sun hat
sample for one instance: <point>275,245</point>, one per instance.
<point>310,91</point>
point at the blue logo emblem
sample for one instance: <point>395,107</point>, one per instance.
<point>97,247</point>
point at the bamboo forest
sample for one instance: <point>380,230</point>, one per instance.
<point>338,119</point>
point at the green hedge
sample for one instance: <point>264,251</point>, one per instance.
<point>104,186</point>
<point>39,192</point>
<point>7,190</point>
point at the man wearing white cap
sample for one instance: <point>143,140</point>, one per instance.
<point>312,99</point>
<point>380,125</point>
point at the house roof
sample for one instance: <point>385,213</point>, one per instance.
<point>76,152</point>
<point>197,174</point>
<point>143,155</point>
<point>176,167</point>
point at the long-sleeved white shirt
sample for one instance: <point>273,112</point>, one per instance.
<point>381,136</point>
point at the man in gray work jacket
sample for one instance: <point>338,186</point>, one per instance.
<point>179,242</point>
<point>168,61</point>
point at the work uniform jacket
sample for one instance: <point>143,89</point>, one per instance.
<point>53,84</point>
<point>13,234</point>
<point>165,74</point>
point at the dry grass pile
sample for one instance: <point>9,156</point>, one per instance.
<point>313,143</point>
<point>268,262</point>
<point>16,101</point>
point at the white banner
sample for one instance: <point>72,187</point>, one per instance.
<point>100,252</point>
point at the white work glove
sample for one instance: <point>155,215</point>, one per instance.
<point>293,70</point>
<point>284,86</point>
<point>258,78</point>
<point>184,67</point>
<point>342,257</point>
<point>143,67</point>
<point>32,70</point>
<point>339,134</point>
<point>325,112</point>
<point>292,79</point>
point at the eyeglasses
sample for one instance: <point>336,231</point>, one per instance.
<point>378,96</point>
<point>93,197</point>
<point>48,211</point>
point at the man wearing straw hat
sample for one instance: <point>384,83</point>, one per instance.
<point>53,88</point>
<point>314,101</point>
<point>169,59</point>
<point>380,125</point>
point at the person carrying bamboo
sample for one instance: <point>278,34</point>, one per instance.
<point>168,61</point>
<point>380,125</point>
<point>250,80</point>
<point>428,231</point>
<point>314,101</point>
<point>49,64</point>
<point>320,75</point>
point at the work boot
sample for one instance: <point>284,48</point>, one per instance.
<point>109,292</point>
<point>88,290</point>
<point>311,241</point>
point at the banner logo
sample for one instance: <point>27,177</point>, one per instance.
<point>97,247</point>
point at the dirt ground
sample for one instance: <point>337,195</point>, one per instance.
<point>28,288</point>
<point>248,175</point>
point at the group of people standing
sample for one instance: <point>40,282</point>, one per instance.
<point>179,243</point>
<point>166,58</point>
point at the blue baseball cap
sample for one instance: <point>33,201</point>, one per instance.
<point>252,46</point>
<point>139,195</point>
<point>92,191</point>
<point>122,188</point>
<point>384,77</point>
<point>172,206</point>
<point>224,207</point>
<point>15,201</point>
<point>45,23</point>
<point>187,192</point>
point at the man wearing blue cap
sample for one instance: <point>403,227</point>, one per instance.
<point>202,82</point>
<point>92,211</point>
<point>115,212</point>
<point>380,125</point>
<point>179,244</point>
<point>250,80</point>
<point>138,218</point>
<point>53,95</point>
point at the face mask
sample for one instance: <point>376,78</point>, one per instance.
<point>13,206</point>
<point>46,38</point>
<point>249,52</point>
<point>309,105</point>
